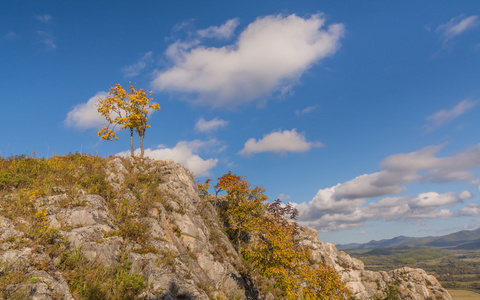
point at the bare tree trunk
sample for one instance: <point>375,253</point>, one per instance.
<point>238,240</point>
<point>141,144</point>
<point>131,142</point>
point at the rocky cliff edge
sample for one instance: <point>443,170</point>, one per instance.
<point>185,255</point>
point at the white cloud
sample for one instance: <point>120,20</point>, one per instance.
<point>368,186</point>
<point>223,32</point>
<point>135,69</point>
<point>85,115</point>
<point>279,141</point>
<point>334,222</point>
<point>435,199</point>
<point>465,195</point>
<point>177,47</point>
<point>433,214</point>
<point>401,169</point>
<point>446,116</point>
<point>206,126</point>
<point>47,39</point>
<point>306,110</point>
<point>269,56</point>
<point>327,202</point>
<point>456,26</point>
<point>326,212</point>
<point>434,169</point>
<point>330,207</point>
<point>46,18</point>
<point>184,154</point>
<point>472,209</point>
<point>408,208</point>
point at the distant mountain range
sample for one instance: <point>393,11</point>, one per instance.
<point>465,240</point>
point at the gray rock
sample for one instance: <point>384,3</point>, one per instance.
<point>8,233</point>
<point>41,286</point>
<point>15,260</point>
<point>186,255</point>
<point>412,283</point>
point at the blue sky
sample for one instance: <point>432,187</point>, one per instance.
<point>362,113</point>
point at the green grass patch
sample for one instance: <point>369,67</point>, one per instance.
<point>91,280</point>
<point>463,295</point>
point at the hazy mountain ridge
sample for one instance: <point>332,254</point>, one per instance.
<point>464,239</point>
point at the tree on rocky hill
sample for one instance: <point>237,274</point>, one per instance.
<point>127,109</point>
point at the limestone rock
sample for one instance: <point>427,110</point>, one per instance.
<point>411,284</point>
<point>41,286</point>
<point>186,255</point>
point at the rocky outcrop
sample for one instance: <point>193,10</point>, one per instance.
<point>404,283</point>
<point>188,256</point>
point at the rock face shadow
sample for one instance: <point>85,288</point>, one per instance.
<point>247,282</point>
<point>174,293</point>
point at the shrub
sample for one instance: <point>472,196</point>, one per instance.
<point>267,242</point>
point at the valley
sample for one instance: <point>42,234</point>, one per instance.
<point>453,259</point>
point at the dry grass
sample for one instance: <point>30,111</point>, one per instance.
<point>24,181</point>
<point>463,295</point>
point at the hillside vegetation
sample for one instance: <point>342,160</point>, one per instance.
<point>131,229</point>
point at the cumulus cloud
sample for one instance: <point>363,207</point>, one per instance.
<point>207,126</point>
<point>269,56</point>
<point>326,212</point>
<point>456,26</point>
<point>330,207</point>
<point>471,210</point>
<point>325,203</point>
<point>436,199</point>
<point>370,185</point>
<point>443,117</point>
<point>333,222</point>
<point>85,115</point>
<point>184,153</point>
<point>306,110</point>
<point>401,169</point>
<point>434,169</point>
<point>223,32</point>
<point>135,69</point>
<point>465,195</point>
<point>280,142</point>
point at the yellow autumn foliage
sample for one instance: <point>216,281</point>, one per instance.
<point>129,110</point>
<point>268,242</point>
